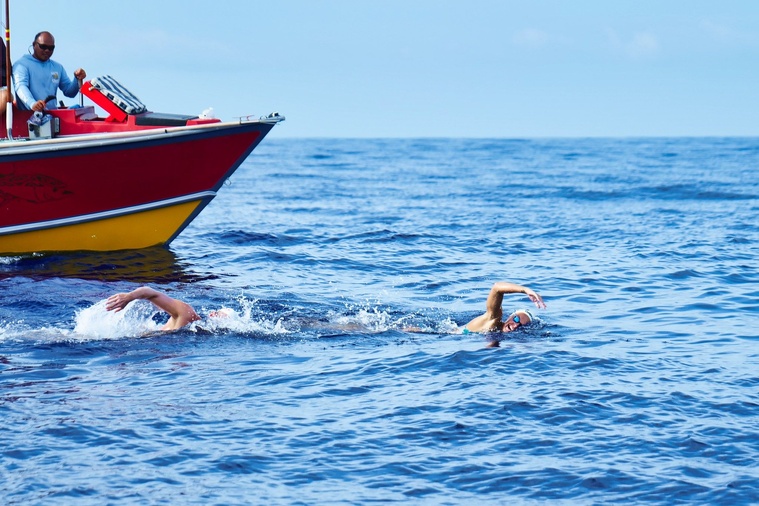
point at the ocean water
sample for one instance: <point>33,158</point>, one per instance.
<point>639,383</point>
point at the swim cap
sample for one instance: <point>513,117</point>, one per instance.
<point>224,312</point>
<point>529,314</point>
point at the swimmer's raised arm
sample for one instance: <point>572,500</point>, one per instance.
<point>492,319</point>
<point>500,288</point>
<point>181,313</point>
<point>119,301</point>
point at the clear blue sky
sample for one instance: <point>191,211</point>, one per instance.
<point>424,68</point>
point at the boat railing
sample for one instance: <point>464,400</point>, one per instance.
<point>270,119</point>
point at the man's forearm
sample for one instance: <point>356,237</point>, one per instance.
<point>25,96</point>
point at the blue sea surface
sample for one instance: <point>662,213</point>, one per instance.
<point>340,378</point>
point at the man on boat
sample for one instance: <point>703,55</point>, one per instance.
<point>37,78</point>
<point>492,319</point>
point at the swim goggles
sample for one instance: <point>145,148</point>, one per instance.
<point>518,321</point>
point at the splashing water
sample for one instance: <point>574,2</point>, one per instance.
<point>135,320</point>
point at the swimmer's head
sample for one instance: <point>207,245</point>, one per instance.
<point>518,318</point>
<point>224,312</point>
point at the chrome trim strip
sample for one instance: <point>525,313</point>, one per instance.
<point>24,146</point>
<point>75,220</point>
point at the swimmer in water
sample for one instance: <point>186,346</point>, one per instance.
<point>492,319</point>
<point>180,313</point>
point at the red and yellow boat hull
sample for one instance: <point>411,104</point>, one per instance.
<point>131,230</point>
<point>115,190</point>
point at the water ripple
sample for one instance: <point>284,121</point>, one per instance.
<point>637,384</point>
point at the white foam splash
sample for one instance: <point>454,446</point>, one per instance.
<point>371,318</point>
<point>137,320</point>
<point>244,320</point>
<point>9,260</point>
<point>134,320</point>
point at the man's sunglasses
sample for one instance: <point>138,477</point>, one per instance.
<point>45,47</point>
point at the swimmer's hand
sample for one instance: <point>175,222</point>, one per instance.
<point>537,299</point>
<point>118,302</point>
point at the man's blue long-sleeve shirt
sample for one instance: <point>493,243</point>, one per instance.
<point>36,80</point>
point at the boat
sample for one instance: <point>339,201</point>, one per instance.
<point>119,177</point>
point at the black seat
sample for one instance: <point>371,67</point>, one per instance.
<point>162,119</point>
